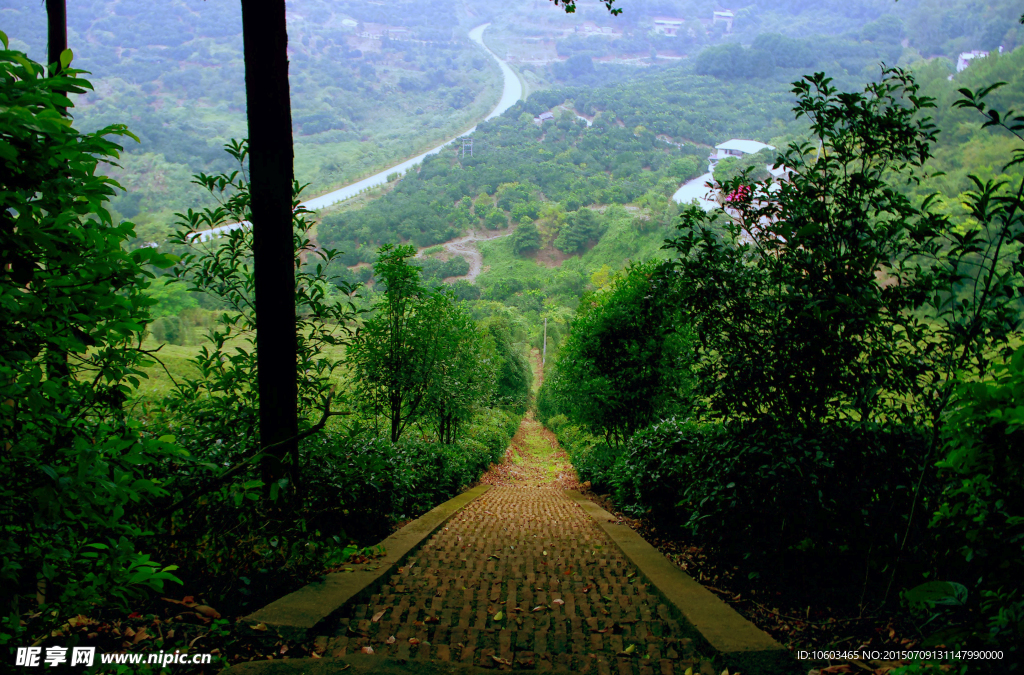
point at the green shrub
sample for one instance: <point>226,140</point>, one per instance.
<point>980,516</point>
<point>652,469</point>
<point>365,482</point>
<point>790,500</point>
<point>592,457</point>
<point>169,329</point>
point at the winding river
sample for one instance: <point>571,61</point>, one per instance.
<point>512,91</point>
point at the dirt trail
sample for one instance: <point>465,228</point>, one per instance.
<point>466,247</point>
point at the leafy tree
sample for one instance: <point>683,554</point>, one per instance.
<point>464,373</point>
<point>222,402</point>
<point>625,363</point>
<point>74,465</point>
<point>839,301</point>
<point>581,228</point>
<point>397,351</point>
<point>513,375</point>
<point>792,319</point>
<point>526,238</point>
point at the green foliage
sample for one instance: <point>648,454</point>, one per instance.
<point>76,471</point>
<point>513,375</point>
<point>526,238</point>
<point>581,228</point>
<point>625,362</point>
<point>397,349</point>
<point>222,402</point>
<point>593,458</point>
<point>464,373</point>
<point>733,61</point>
<point>170,330</point>
<point>652,469</point>
<point>420,355</point>
<point>753,167</point>
<point>367,482</point>
<point>980,514</point>
<point>178,75</point>
<point>792,318</point>
<point>787,500</point>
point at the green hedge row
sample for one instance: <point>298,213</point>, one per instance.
<point>780,499</point>
<point>370,482</point>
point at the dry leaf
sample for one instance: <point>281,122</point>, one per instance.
<point>367,650</point>
<point>378,615</point>
<point>259,626</point>
<point>558,601</point>
<point>206,610</point>
<point>390,640</point>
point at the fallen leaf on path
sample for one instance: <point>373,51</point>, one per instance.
<point>499,616</point>
<point>367,650</point>
<point>498,659</point>
<point>378,615</point>
<point>390,640</point>
<point>558,601</point>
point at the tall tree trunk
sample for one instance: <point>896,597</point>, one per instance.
<point>56,33</point>
<point>56,43</point>
<point>270,172</point>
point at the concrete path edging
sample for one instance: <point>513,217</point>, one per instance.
<point>741,645</point>
<point>296,614</point>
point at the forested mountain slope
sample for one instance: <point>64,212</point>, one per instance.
<point>368,87</point>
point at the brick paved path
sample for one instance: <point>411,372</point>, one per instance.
<point>521,578</point>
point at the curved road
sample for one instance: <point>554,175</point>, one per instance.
<point>466,247</point>
<point>696,189</point>
<point>511,92</point>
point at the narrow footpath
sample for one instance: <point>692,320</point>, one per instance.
<point>521,578</point>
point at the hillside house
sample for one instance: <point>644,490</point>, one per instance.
<point>543,117</point>
<point>736,147</point>
<point>667,25</point>
<point>725,16</point>
<point>965,59</point>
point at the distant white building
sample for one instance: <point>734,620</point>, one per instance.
<point>737,147</point>
<point>667,25</point>
<point>965,59</point>
<point>725,16</point>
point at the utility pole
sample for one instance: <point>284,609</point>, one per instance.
<point>467,143</point>
<point>544,354</point>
